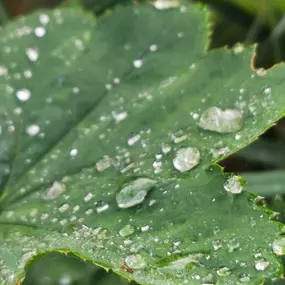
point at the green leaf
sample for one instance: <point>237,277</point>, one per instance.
<point>88,109</point>
<point>265,184</point>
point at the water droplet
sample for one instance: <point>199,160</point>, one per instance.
<point>145,228</point>
<point>127,231</point>
<point>278,246</point>
<point>44,19</point>
<point>227,121</point>
<point>40,32</point>
<point>101,206</point>
<point>88,197</point>
<point>104,163</point>
<point>267,90</point>
<point>217,244</point>
<point>186,159</point>
<point>120,116</point>
<point>23,94</point>
<point>153,48</point>
<point>74,152</point>
<point>32,54</point>
<point>165,4</point>
<point>165,148</point>
<point>234,185</point>
<point>224,271</point>
<point>54,191</point>
<point>63,208</point>
<point>33,130</point>
<point>244,278</point>
<point>134,193</point>
<point>261,265</point>
<point>3,70</point>
<point>138,63</point>
<point>233,245</point>
<point>135,261</point>
<point>133,140</point>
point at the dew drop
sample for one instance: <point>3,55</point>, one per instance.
<point>278,246</point>
<point>134,193</point>
<point>40,32</point>
<point>104,163</point>
<point>233,185</point>
<point>224,271</point>
<point>74,152</point>
<point>44,19</point>
<point>135,261</point>
<point>23,94</point>
<point>3,70</point>
<point>127,231</point>
<point>138,63</point>
<point>233,245</point>
<point>133,140</point>
<point>32,54</point>
<point>186,159</point>
<point>33,130</point>
<point>153,48</point>
<point>217,244</point>
<point>63,208</point>
<point>261,265</point>
<point>101,207</point>
<point>227,121</point>
<point>54,191</point>
<point>165,4</point>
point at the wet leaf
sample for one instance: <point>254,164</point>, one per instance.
<point>94,110</point>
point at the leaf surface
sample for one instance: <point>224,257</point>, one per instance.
<point>111,102</point>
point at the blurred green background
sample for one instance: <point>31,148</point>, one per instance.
<point>262,163</point>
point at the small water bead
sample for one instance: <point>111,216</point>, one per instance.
<point>278,246</point>
<point>63,208</point>
<point>54,191</point>
<point>165,4</point>
<point>32,54</point>
<point>153,48</point>
<point>101,207</point>
<point>44,19</point>
<point>217,244</point>
<point>65,279</point>
<point>135,261</point>
<point>3,70</point>
<point>88,197</point>
<point>23,94</point>
<point>104,163</point>
<point>227,121</point>
<point>40,32</point>
<point>138,63</point>
<point>134,193</point>
<point>120,116</point>
<point>261,265</point>
<point>145,228</point>
<point>233,245</point>
<point>74,152</point>
<point>33,130</point>
<point>186,159</point>
<point>133,140</point>
<point>127,231</point>
<point>224,271</point>
<point>244,278</point>
<point>165,148</point>
<point>234,185</point>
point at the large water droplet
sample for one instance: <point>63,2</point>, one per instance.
<point>135,261</point>
<point>186,159</point>
<point>54,191</point>
<point>278,246</point>
<point>214,119</point>
<point>134,193</point>
<point>234,185</point>
<point>127,231</point>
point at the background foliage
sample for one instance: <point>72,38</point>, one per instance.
<point>262,163</point>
